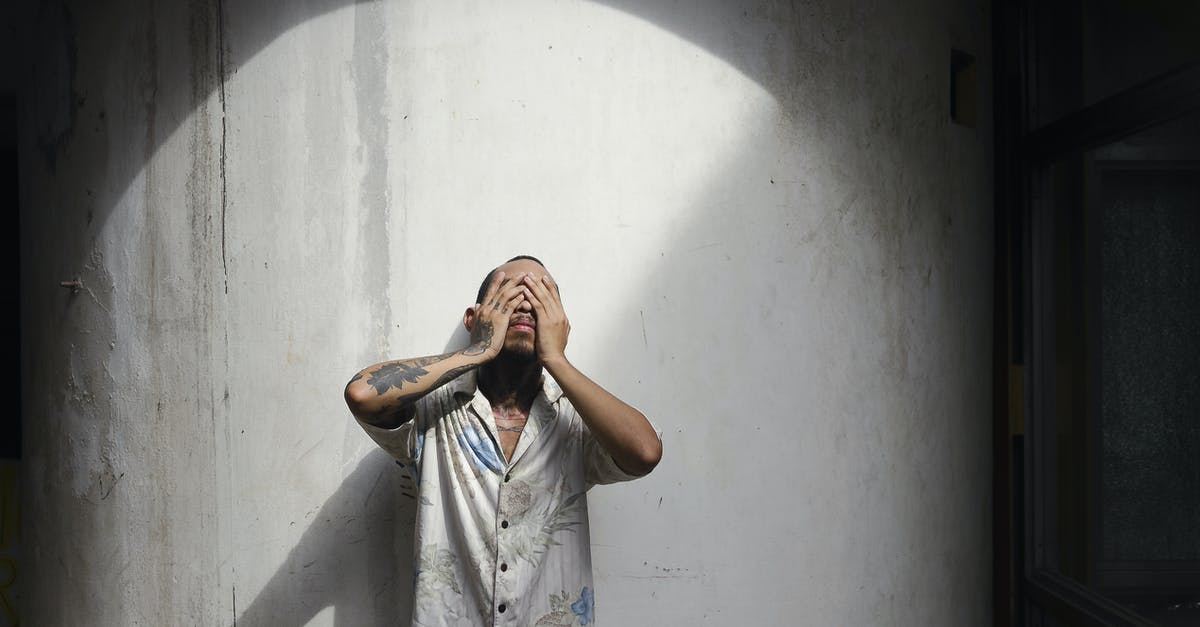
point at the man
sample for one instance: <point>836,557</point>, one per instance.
<point>503,456</point>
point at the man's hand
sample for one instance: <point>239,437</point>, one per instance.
<point>552,325</point>
<point>490,325</point>
<point>622,430</point>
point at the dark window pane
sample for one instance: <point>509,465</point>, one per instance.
<point>1150,356</point>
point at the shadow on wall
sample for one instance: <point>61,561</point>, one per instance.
<point>355,556</point>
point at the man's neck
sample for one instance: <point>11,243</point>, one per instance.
<point>509,381</point>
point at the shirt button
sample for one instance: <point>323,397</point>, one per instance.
<point>503,568</point>
<point>508,477</point>
<point>504,524</point>
<point>502,608</point>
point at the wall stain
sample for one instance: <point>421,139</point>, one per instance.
<point>370,64</point>
<point>222,53</point>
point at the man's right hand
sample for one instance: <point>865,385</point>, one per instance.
<point>490,323</point>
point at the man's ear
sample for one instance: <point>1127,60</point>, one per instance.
<point>469,317</point>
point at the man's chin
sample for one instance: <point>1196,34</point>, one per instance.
<point>519,352</point>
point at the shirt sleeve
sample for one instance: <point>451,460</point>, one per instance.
<point>599,467</point>
<point>406,441</point>
<point>400,442</point>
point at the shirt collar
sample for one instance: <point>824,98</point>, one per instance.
<point>467,385</point>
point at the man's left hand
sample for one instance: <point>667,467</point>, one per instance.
<point>552,324</point>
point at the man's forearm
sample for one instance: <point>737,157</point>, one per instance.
<point>383,393</point>
<point>622,430</point>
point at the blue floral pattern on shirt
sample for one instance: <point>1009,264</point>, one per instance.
<point>483,452</point>
<point>584,607</point>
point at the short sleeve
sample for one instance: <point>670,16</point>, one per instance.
<point>400,442</point>
<point>599,467</point>
<point>406,441</point>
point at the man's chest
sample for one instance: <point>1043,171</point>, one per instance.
<point>510,423</point>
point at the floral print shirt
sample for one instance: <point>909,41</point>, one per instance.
<point>502,543</point>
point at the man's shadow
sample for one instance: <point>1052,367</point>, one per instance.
<point>357,554</point>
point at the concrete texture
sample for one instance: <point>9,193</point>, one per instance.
<point>770,238</point>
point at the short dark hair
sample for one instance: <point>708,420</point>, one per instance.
<point>488,279</point>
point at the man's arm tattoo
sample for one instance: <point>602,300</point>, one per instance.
<point>404,405</point>
<point>396,374</point>
<point>481,338</point>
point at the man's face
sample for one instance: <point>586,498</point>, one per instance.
<point>522,326</point>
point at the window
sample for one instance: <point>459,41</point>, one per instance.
<point>1098,178</point>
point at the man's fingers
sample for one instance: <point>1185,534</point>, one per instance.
<point>503,292</point>
<point>544,294</point>
<point>497,281</point>
<point>533,300</point>
<point>534,286</point>
<point>489,295</point>
<point>551,289</point>
<point>507,293</point>
<point>513,302</point>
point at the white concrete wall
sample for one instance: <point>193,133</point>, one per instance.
<point>768,233</point>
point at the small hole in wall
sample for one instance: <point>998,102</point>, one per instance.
<point>962,88</point>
